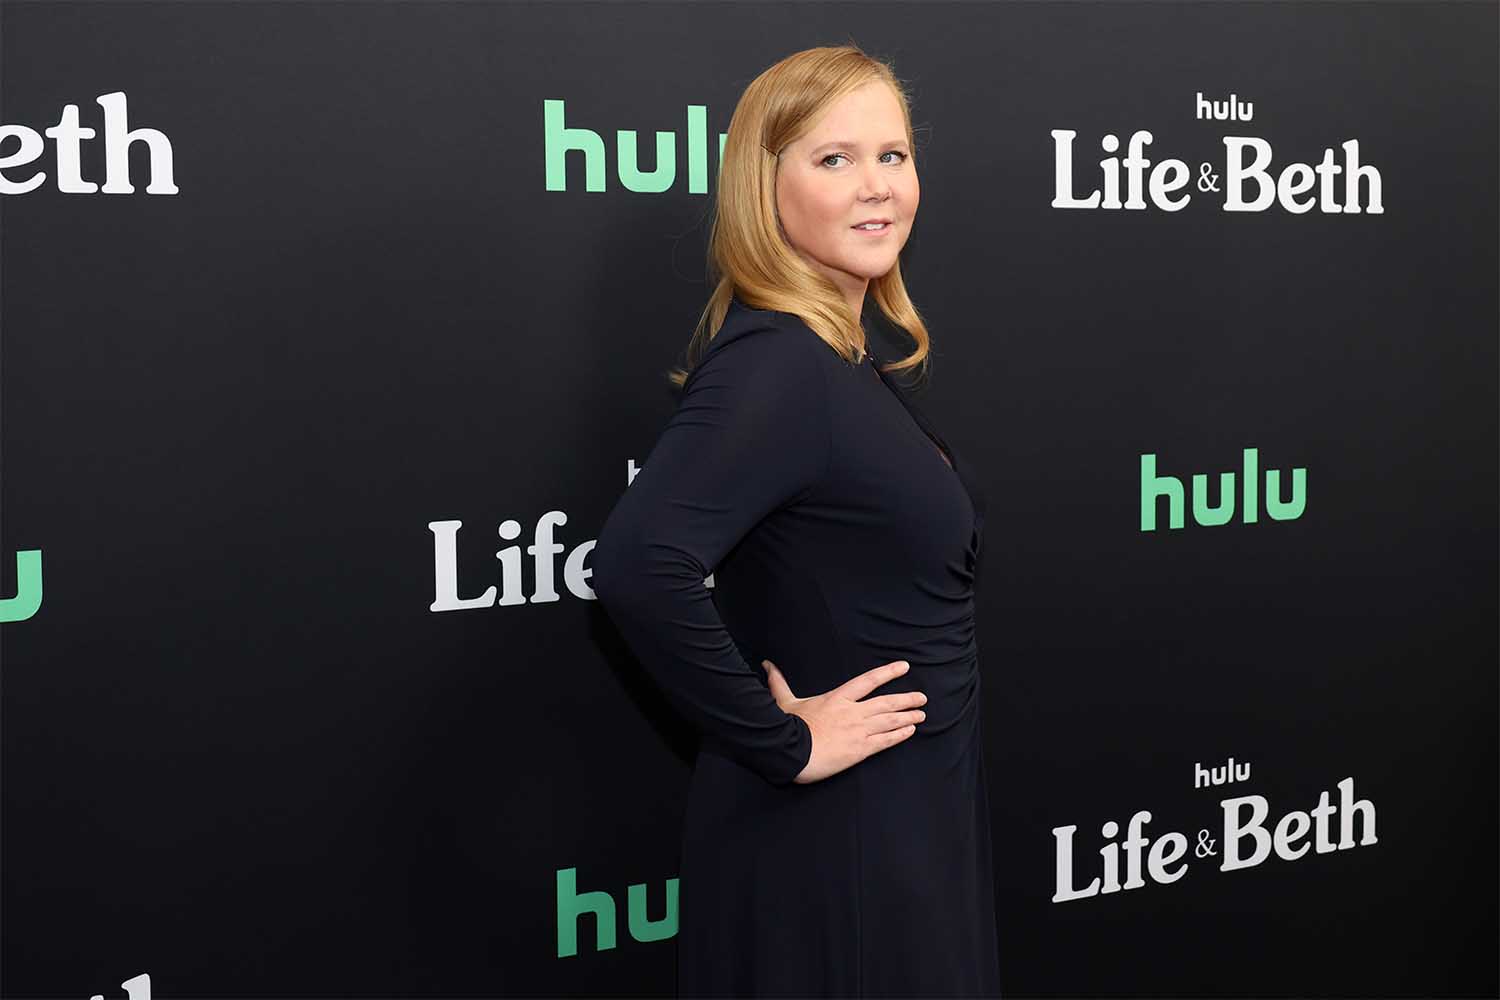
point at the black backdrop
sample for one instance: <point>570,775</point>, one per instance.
<point>244,755</point>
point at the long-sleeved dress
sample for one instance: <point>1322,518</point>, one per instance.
<point>839,538</point>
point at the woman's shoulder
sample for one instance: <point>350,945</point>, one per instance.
<point>741,321</point>
<point>748,335</point>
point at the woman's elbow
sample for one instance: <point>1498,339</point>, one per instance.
<point>602,569</point>
<point>610,564</point>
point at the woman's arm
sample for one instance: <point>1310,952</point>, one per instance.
<point>751,434</point>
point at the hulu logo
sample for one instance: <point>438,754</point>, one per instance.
<point>1154,487</point>
<point>28,588</point>
<point>559,140</point>
<point>572,904</point>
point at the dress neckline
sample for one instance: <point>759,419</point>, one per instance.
<point>941,446</point>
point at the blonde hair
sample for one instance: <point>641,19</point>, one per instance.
<point>749,256</point>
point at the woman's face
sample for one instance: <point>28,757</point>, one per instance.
<point>853,165</point>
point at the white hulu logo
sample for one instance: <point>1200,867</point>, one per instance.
<point>138,988</point>
<point>69,136</point>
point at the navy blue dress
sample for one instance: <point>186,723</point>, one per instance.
<point>839,538</point>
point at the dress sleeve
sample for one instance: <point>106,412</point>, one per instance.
<point>749,436</point>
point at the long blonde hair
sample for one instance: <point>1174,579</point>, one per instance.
<point>748,255</point>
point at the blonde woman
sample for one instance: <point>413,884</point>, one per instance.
<point>836,840</point>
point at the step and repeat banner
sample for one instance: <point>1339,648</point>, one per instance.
<point>330,333</point>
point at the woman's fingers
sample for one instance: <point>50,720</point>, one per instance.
<point>860,685</point>
<point>886,721</point>
<point>886,703</point>
<point>895,702</point>
<point>845,729</point>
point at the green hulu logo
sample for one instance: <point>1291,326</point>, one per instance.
<point>28,588</point>
<point>558,140</point>
<point>1154,487</point>
<point>572,904</point>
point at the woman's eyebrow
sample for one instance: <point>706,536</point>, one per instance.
<point>850,144</point>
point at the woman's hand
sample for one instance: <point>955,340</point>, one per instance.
<point>844,729</point>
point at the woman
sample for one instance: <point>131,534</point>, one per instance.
<point>837,836</point>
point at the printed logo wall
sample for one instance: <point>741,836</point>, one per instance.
<point>304,308</point>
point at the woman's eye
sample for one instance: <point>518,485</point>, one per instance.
<point>897,152</point>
